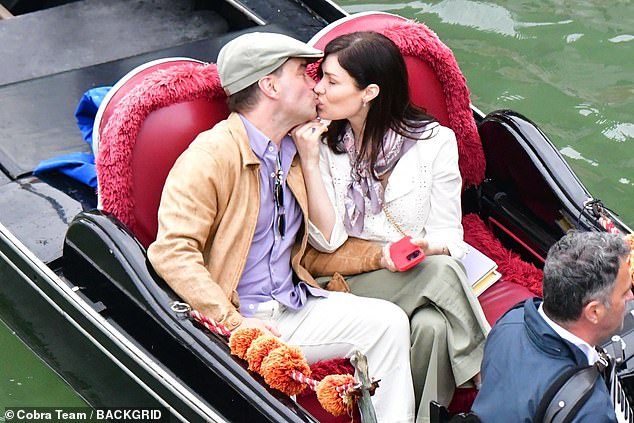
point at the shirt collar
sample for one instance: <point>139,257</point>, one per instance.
<point>588,350</point>
<point>260,142</point>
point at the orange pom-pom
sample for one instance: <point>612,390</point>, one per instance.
<point>330,399</point>
<point>241,340</point>
<point>259,349</point>
<point>278,365</point>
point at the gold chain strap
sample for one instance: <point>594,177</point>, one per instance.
<point>390,219</point>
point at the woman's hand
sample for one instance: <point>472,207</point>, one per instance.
<point>429,250</point>
<point>321,212</point>
<point>386,259</point>
<point>307,138</point>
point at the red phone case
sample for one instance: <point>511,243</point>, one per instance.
<point>405,255</point>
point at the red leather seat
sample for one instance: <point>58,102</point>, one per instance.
<point>148,118</point>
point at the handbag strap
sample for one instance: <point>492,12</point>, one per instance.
<point>391,219</point>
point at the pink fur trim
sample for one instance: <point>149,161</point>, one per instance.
<point>416,39</point>
<point>178,83</point>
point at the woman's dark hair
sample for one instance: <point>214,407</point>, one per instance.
<point>372,58</point>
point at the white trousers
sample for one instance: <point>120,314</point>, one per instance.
<point>338,325</point>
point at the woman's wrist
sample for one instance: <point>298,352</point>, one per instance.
<point>309,165</point>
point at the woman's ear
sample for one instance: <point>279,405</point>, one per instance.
<point>370,92</point>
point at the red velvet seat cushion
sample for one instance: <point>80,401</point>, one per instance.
<point>144,124</point>
<point>179,123</point>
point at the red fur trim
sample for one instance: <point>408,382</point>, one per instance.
<point>512,267</point>
<point>335,366</point>
<point>416,39</point>
<point>178,83</point>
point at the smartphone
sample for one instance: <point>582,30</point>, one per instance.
<point>405,255</point>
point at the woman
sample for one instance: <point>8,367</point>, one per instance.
<point>386,170</point>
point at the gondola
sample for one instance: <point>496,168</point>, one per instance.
<point>76,286</point>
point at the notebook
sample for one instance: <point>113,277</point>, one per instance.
<point>481,270</point>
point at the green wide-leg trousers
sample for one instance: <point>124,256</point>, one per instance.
<point>447,325</point>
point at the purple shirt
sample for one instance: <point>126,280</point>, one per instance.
<point>268,274</point>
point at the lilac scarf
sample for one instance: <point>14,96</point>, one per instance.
<point>362,183</point>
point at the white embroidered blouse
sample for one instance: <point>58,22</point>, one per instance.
<point>422,195</point>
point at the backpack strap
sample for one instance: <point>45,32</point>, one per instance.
<point>565,396</point>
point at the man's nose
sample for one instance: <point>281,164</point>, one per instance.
<point>310,81</point>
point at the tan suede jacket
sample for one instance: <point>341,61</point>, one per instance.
<point>207,219</point>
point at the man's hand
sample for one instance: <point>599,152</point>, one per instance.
<point>267,327</point>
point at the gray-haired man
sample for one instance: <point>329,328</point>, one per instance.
<point>587,284</point>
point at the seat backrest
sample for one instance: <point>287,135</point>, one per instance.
<point>435,80</point>
<point>148,119</point>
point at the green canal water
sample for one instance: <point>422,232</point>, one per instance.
<point>25,381</point>
<point>567,65</point>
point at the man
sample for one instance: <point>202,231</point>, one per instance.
<point>587,284</point>
<point>233,226</point>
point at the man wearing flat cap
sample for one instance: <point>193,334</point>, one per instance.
<point>233,220</point>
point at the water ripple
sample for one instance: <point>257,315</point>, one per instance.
<point>571,38</point>
<point>621,38</point>
<point>571,153</point>
<point>483,16</point>
<point>587,110</point>
<point>620,132</point>
<point>506,96</point>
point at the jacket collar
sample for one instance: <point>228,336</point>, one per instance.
<point>545,338</point>
<point>239,133</point>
